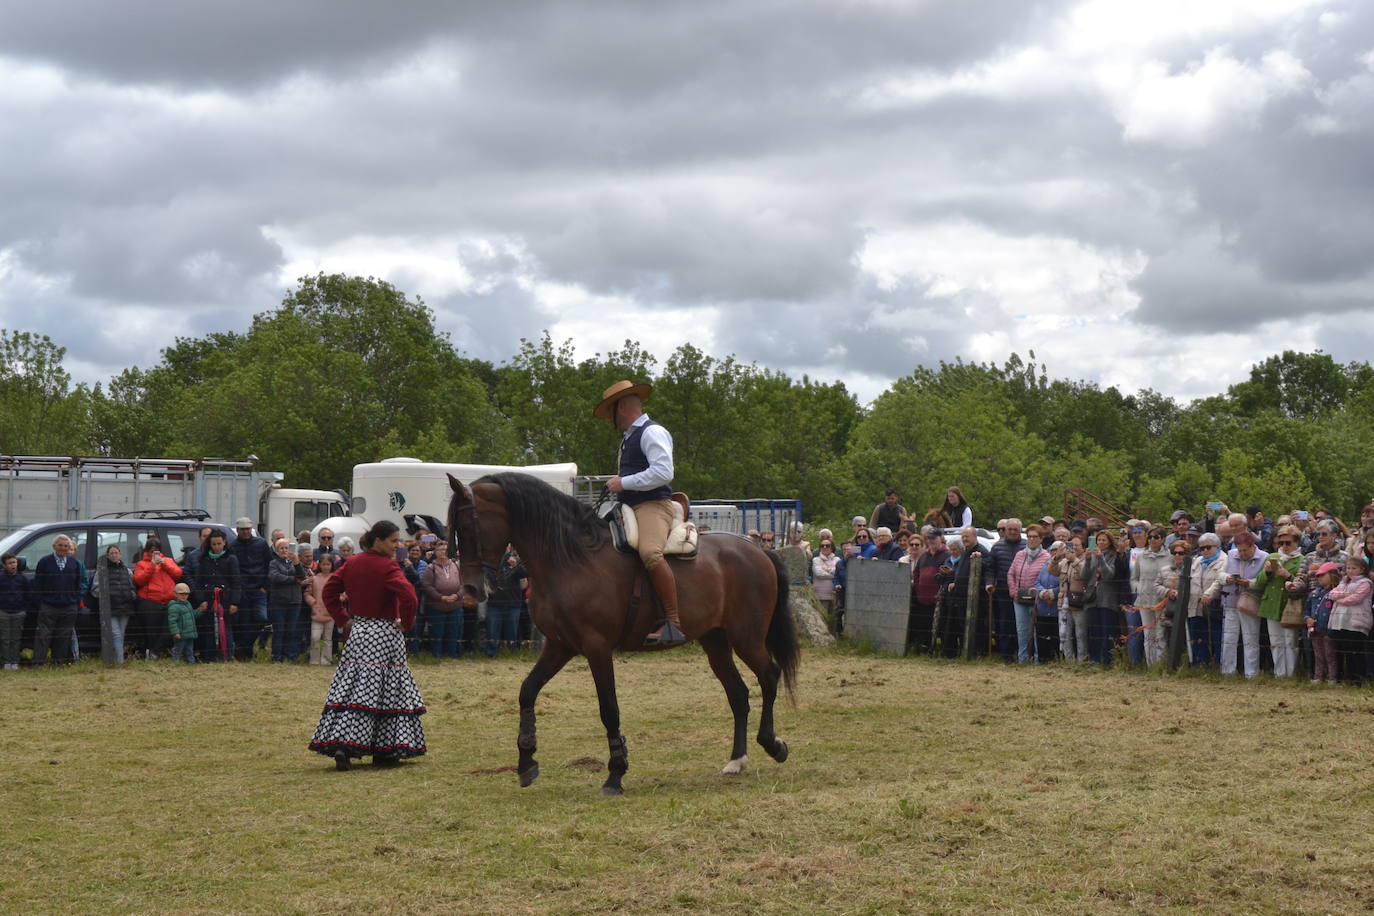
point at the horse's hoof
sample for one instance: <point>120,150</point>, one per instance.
<point>529,776</point>
<point>735,767</point>
<point>612,791</point>
<point>779,750</point>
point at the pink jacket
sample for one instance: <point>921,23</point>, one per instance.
<point>314,596</point>
<point>1350,605</point>
<point>1025,571</point>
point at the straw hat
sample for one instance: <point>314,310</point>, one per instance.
<point>617,391</point>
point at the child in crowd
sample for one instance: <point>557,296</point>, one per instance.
<point>181,622</point>
<point>1318,620</point>
<point>1351,619</point>
<point>321,624</point>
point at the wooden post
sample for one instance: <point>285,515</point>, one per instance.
<point>1178,639</point>
<point>973,601</point>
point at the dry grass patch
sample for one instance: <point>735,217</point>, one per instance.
<point>914,785</point>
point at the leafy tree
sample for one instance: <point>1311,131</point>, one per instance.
<point>1298,384</point>
<point>1276,488</point>
<point>40,412</point>
<point>970,436</point>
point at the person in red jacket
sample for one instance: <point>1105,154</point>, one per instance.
<point>373,706</point>
<point>156,578</point>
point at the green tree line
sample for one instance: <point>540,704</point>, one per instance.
<point>350,369</point>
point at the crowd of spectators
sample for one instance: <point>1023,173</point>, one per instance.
<point>231,601</point>
<point>1290,596</point>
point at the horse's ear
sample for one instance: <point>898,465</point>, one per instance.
<point>455,484</point>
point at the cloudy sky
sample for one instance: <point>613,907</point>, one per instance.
<point>1145,194</point>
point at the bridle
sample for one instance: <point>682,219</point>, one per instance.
<point>488,570</point>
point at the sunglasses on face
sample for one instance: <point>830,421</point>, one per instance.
<point>1156,537</point>
<point>1284,541</point>
<point>1209,546</point>
<point>860,537</point>
<point>1179,553</point>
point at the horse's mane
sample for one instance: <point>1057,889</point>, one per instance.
<point>560,527</point>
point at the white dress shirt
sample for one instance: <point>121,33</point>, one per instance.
<point>657,445</point>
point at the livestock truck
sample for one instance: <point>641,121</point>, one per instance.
<point>40,489</point>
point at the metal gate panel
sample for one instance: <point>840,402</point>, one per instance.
<point>877,603</point>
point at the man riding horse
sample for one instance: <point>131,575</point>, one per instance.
<point>643,485</point>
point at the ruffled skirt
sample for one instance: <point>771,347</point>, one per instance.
<point>373,705</point>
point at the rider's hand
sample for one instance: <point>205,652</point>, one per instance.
<point>614,484</point>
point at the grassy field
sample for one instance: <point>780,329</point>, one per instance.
<point>913,786</point>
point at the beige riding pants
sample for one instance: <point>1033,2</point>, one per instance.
<point>655,520</point>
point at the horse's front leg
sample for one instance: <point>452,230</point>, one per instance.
<point>551,661</point>
<point>603,673</point>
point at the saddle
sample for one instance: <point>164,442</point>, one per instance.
<point>682,536</point>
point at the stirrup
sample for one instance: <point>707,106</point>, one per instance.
<point>666,635</point>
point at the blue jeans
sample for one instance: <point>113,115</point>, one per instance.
<point>1025,626</point>
<point>1101,634</point>
<point>184,650</point>
<point>1135,642</point>
<point>1003,625</point>
<point>285,638</point>
<point>1204,638</point>
<point>117,626</point>
<point>502,621</point>
<point>248,622</point>
<point>445,632</point>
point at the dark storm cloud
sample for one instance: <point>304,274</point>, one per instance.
<point>704,155</point>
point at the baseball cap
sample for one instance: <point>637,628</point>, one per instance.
<point>1326,568</point>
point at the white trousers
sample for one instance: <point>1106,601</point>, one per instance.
<point>1283,645</point>
<point>1235,627</point>
<point>321,642</point>
<point>1073,634</point>
<point>1154,635</point>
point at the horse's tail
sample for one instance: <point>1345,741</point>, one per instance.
<point>781,640</point>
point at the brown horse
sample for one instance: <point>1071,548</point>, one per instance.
<point>733,596</point>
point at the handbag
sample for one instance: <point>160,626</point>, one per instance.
<point>1076,598</point>
<point>1027,595</point>
<point>1293,614</point>
<point>1248,603</point>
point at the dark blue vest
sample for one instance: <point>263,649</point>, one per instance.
<point>632,461</point>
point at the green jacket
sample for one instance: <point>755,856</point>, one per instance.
<point>1272,601</point>
<point>181,619</point>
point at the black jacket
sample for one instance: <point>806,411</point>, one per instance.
<point>15,593</point>
<point>999,563</point>
<point>957,593</point>
<point>889,552</point>
<point>254,558</point>
<point>214,573</point>
<point>1110,586</point>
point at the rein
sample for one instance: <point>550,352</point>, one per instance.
<point>489,570</point>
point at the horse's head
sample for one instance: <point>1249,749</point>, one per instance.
<point>466,541</point>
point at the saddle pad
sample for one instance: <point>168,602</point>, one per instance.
<point>682,537</point>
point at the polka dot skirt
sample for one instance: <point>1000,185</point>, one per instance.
<point>373,705</point>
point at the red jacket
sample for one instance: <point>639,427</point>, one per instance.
<point>157,583</point>
<point>376,587</point>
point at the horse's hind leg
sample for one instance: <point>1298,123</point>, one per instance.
<point>551,661</point>
<point>755,655</point>
<point>717,647</point>
<point>603,673</point>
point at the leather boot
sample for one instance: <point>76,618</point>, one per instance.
<point>665,583</point>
